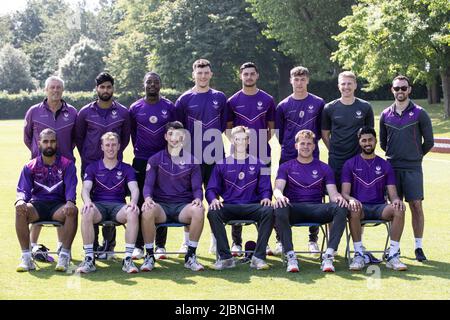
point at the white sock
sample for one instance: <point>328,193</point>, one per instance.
<point>26,254</point>
<point>186,237</point>
<point>58,245</point>
<point>330,251</point>
<point>358,247</point>
<point>418,242</point>
<point>65,252</point>
<point>33,245</point>
<point>129,247</point>
<point>395,246</point>
<point>193,244</point>
<point>290,253</point>
<point>148,246</point>
<point>89,250</point>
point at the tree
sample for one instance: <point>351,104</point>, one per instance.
<point>81,65</point>
<point>383,38</point>
<point>14,70</point>
<point>304,29</point>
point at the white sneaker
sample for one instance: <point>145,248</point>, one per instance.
<point>269,251</point>
<point>357,263</point>
<point>394,263</point>
<point>86,266</point>
<point>224,264</point>
<point>63,263</point>
<point>193,264</point>
<point>138,254</point>
<point>313,248</point>
<point>183,250</point>
<point>236,250</point>
<point>259,264</point>
<point>128,266</point>
<point>26,264</point>
<point>278,249</point>
<point>292,263</point>
<point>213,248</point>
<point>327,263</point>
<point>106,256</point>
<point>160,254</point>
<point>149,263</point>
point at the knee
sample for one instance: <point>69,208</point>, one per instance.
<point>355,214</point>
<point>213,215</point>
<point>399,214</point>
<point>416,205</point>
<point>197,213</point>
<point>148,214</point>
<point>132,215</point>
<point>281,214</point>
<point>72,213</point>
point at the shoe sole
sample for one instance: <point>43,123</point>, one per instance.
<point>61,269</point>
<point>328,270</point>
<point>354,269</point>
<point>137,258</point>
<point>295,270</point>
<point>163,257</point>
<point>263,268</point>
<point>147,269</point>
<point>24,270</point>
<point>396,269</point>
<point>270,253</point>
<point>132,271</point>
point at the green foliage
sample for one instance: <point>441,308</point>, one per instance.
<point>81,65</point>
<point>14,70</point>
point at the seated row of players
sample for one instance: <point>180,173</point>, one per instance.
<point>46,191</point>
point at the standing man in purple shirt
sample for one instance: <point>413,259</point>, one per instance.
<point>148,118</point>
<point>47,191</point>
<point>365,178</point>
<point>301,110</point>
<point>56,114</point>
<point>299,189</point>
<point>173,193</point>
<point>255,109</point>
<point>406,134</point>
<point>245,187</point>
<point>95,119</point>
<point>104,190</point>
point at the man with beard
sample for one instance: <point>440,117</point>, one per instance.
<point>56,114</point>
<point>365,178</point>
<point>95,119</point>
<point>406,134</point>
<point>254,109</point>
<point>148,117</point>
<point>47,191</point>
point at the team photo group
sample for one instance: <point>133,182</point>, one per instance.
<point>181,175</point>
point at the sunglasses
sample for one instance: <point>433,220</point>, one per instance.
<point>403,88</point>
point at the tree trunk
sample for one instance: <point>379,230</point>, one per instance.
<point>433,92</point>
<point>285,65</point>
<point>445,77</point>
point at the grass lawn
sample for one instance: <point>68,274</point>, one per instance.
<point>429,280</point>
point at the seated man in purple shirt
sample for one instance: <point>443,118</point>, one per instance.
<point>365,178</point>
<point>303,181</point>
<point>47,191</point>
<point>104,191</point>
<point>173,193</point>
<point>243,182</point>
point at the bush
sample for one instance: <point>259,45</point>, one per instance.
<point>14,106</point>
<point>15,72</point>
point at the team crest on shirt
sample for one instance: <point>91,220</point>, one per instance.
<point>215,104</point>
<point>153,119</point>
<point>182,164</point>
<point>114,114</point>
<point>119,175</point>
<point>315,174</point>
<point>301,114</point>
<point>311,108</point>
<point>241,175</point>
<point>411,114</point>
<point>164,113</point>
<point>359,114</point>
<point>85,176</point>
<point>378,169</point>
<point>60,172</point>
<point>148,167</point>
<point>260,105</point>
<point>252,170</point>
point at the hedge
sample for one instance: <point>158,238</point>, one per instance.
<point>14,106</point>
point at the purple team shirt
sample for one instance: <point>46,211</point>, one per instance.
<point>239,182</point>
<point>172,180</point>
<point>293,115</point>
<point>40,117</point>
<point>369,178</point>
<point>305,182</point>
<point>254,112</point>
<point>148,123</point>
<point>93,122</point>
<point>109,185</point>
<point>41,182</point>
<point>209,111</point>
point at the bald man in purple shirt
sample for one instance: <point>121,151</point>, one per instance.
<point>365,179</point>
<point>47,191</point>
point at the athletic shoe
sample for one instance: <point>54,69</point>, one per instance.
<point>86,266</point>
<point>386,253</point>
<point>259,264</point>
<point>149,263</point>
<point>212,248</point>
<point>292,263</point>
<point>327,263</point>
<point>138,254</point>
<point>420,256</point>
<point>160,254</point>
<point>26,264</point>
<point>236,250</point>
<point>357,263</point>
<point>369,258</point>
<point>394,263</point>
<point>106,256</point>
<point>269,251</point>
<point>193,264</point>
<point>313,248</point>
<point>63,263</point>
<point>224,264</point>
<point>278,249</point>
<point>128,266</point>
<point>40,253</point>
<point>183,250</point>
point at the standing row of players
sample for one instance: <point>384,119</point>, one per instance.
<point>337,124</point>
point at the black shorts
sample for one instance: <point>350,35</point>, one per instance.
<point>409,184</point>
<point>172,210</point>
<point>109,210</point>
<point>373,211</point>
<point>46,209</point>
